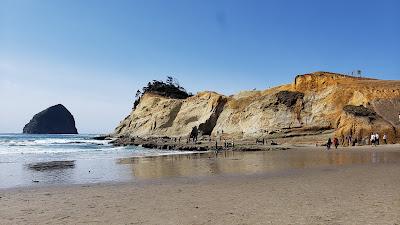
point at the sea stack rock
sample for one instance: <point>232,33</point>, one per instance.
<point>53,120</point>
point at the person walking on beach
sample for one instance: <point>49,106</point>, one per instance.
<point>376,138</point>
<point>350,140</point>
<point>385,139</point>
<point>328,144</point>
<point>336,142</point>
<point>372,139</point>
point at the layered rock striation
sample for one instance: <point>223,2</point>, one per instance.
<point>53,120</point>
<point>315,105</point>
<point>162,116</point>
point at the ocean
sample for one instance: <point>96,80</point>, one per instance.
<point>90,161</point>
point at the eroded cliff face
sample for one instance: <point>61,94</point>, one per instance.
<point>157,116</point>
<point>314,104</point>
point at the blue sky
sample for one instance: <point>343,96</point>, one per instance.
<point>92,55</point>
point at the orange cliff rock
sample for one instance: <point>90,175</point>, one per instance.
<point>316,106</point>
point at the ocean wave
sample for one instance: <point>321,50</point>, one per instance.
<point>37,150</point>
<point>45,142</point>
<point>73,145</point>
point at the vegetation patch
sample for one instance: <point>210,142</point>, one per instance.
<point>170,88</point>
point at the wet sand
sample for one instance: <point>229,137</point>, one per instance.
<point>346,191</point>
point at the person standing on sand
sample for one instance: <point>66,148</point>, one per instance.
<point>328,144</point>
<point>350,140</point>
<point>335,142</point>
<point>385,139</point>
<point>377,138</point>
<point>372,139</point>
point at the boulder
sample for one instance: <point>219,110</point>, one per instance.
<point>53,120</point>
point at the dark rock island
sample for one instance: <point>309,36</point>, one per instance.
<point>53,120</point>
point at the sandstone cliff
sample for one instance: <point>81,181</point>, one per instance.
<point>313,107</point>
<point>161,116</point>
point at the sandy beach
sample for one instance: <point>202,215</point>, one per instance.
<point>361,193</point>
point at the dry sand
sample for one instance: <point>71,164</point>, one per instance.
<point>348,194</point>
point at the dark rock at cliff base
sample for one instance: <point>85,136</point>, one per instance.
<point>54,120</point>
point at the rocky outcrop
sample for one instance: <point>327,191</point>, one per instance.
<point>316,105</point>
<point>157,116</point>
<point>360,111</point>
<point>288,98</point>
<point>53,120</point>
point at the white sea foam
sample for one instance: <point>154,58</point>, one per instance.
<point>54,141</point>
<point>77,145</point>
<point>51,141</point>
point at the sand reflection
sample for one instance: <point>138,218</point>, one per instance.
<point>203,164</point>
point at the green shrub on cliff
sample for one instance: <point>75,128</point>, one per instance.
<point>170,88</point>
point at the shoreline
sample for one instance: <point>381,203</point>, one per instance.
<point>208,143</point>
<point>202,145</point>
<point>180,180</point>
<point>140,163</point>
<point>192,178</point>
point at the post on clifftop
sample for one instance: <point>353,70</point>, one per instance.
<point>356,73</point>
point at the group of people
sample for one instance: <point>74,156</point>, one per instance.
<point>374,141</point>
<point>335,143</point>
